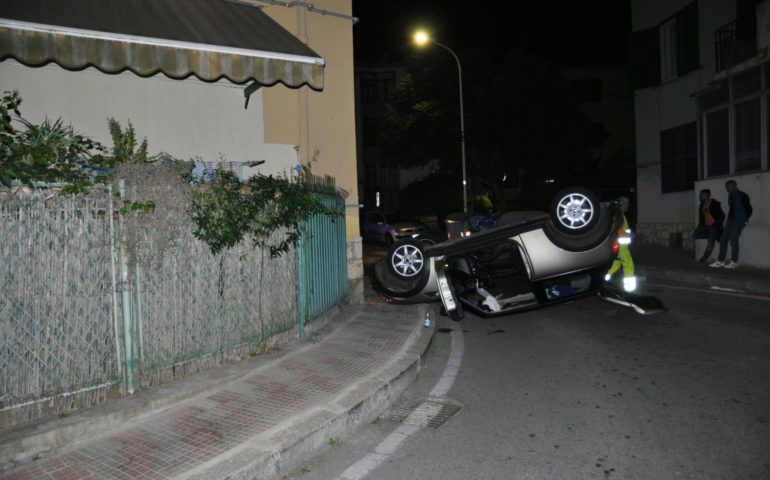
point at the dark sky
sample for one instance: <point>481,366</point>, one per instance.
<point>569,33</point>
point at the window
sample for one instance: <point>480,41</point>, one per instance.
<point>378,87</point>
<point>679,158</point>
<point>667,51</point>
<point>371,129</point>
<point>668,70</point>
<point>733,118</point>
<point>717,143</point>
<point>747,136</point>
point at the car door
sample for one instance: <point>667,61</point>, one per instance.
<point>373,226</point>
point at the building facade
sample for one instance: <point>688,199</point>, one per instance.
<point>700,74</point>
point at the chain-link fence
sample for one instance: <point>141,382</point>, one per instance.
<point>57,332</point>
<point>94,303</point>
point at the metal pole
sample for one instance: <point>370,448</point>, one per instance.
<point>113,260</point>
<point>462,124</point>
<point>126,300</point>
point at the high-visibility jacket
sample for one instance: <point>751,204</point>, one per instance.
<point>624,258</point>
<point>624,233</point>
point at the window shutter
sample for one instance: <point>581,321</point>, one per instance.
<point>645,58</point>
<point>687,39</point>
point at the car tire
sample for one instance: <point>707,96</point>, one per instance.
<point>395,287</point>
<point>603,227</point>
<point>574,210</point>
<point>428,239</point>
<point>406,259</point>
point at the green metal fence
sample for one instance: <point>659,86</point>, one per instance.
<point>322,275</point>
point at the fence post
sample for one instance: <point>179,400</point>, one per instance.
<point>302,281</point>
<point>113,268</point>
<point>126,297</point>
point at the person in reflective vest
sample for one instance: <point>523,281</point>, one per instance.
<point>624,258</point>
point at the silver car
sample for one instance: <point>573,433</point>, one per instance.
<point>390,227</point>
<point>519,264</point>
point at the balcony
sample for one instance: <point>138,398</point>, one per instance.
<point>734,45</point>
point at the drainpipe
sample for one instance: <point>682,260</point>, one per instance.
<point>304,100</point>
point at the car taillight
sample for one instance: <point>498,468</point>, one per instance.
<point>615,247</point>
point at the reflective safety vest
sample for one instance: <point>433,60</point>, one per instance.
<point>624,233</point>
<point>624,259</point>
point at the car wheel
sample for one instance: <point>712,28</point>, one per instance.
<point>574,210</point>
<point>406,259</point>
<point>428,240</point>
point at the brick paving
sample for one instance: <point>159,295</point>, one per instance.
<point>197,431</point>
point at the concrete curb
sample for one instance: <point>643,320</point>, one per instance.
<point>21,445</point>
<point>285,447</point>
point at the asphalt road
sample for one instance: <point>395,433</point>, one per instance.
<point>581,391</point>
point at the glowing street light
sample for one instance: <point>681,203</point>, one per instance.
<point>421,39</point>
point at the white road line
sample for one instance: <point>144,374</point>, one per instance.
<point>391,443</point>
<point>711,291</point>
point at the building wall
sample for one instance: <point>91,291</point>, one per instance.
<point>376,177</point>
<point>668,219</point>
<point>322,124</point>
<point>185,118</point>
<point>656,110</point>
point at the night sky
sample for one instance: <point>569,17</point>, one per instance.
<point>569,33</point>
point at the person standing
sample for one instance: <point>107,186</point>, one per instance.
<point>710,220</point>
<point>624,258</point>
<point>737,217</point>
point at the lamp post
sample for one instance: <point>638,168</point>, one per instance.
<point>421,38</point>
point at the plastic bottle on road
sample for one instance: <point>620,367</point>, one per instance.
<point>426,322</point>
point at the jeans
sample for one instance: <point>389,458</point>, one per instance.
<point>731,233</point>
<point>713,235</point>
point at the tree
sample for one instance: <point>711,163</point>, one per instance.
<point>520,118</point>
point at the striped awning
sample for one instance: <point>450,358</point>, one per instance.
<point>211,39</point>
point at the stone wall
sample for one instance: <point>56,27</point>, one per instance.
<point>675,235</point>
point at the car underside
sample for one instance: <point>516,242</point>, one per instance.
<point>513,266</point>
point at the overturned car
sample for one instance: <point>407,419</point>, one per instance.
<point>516,265</point>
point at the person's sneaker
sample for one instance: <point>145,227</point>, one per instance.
<point>717,264</point>
<point>732,264</point>
<point>703,260</point>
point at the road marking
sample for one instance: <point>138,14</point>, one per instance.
<point>717,291</point>
<point>391,443</point>
<point>723,289</point>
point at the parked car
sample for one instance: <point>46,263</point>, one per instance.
<point>390,227</point>
<point>518,264</point>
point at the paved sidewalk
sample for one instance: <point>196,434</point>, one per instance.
<point>264,422</point>
<point>678,265</point>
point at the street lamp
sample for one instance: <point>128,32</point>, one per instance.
<point>421,38</point>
